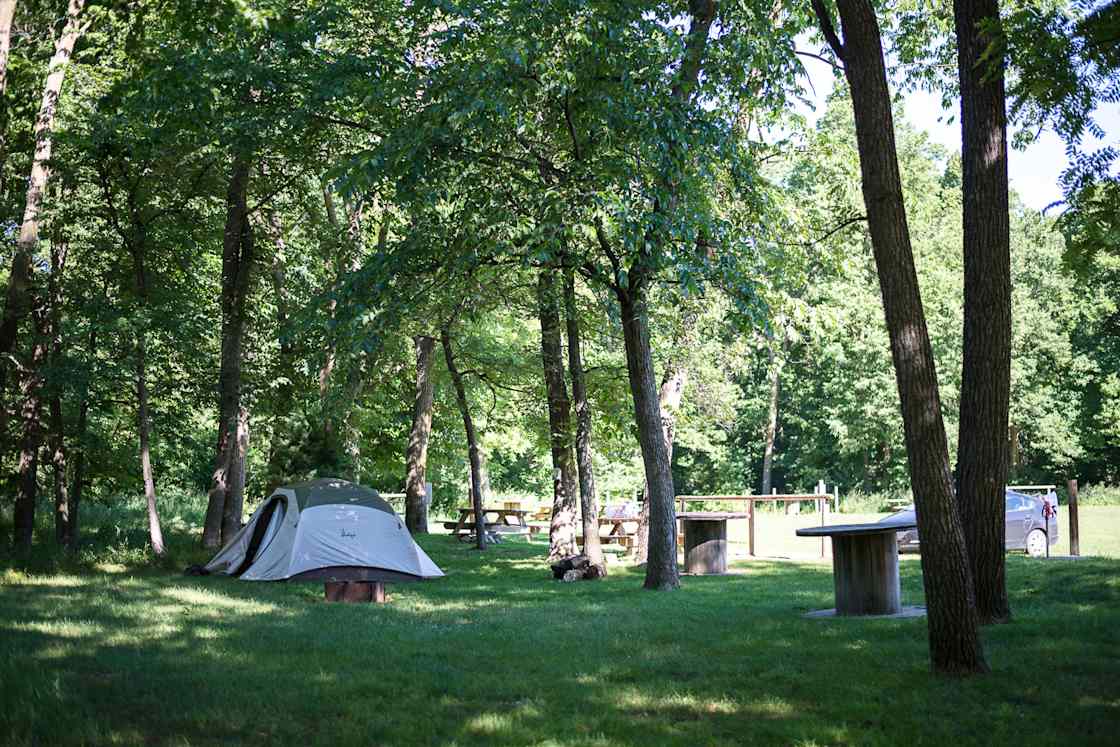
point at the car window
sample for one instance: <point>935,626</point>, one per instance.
<point>1014,503</point>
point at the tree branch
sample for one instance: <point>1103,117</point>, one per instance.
<point>824,18</point>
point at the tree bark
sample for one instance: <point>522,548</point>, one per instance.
<point>237,263</point>
<point>561,531</point>
<point>588,499</point>
<point>62,512</point>
<point>982,453</point>
<point>416,456</point>
<point>155,533</point>
<point>669,396</point>
<point>661,546</point>
<point>16,302</point>
<point>953,628</point>
<point>138,248</point>
<point>233,509</point>
<point>474,454</point>
<point>661,559</point>
<point>32,432</point>
<point>7,15</point>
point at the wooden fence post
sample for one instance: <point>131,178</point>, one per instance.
<point>1074,538</point>
<point>750,528</point>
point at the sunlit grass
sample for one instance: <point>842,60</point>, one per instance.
<point>498,653</point>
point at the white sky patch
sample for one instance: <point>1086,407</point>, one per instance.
<point>1033,172</point>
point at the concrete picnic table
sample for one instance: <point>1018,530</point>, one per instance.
<point>864,566</point>
<point>705,540</point>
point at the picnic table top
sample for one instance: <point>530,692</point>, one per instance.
<point>495,510</point>
<point>711,515</point>
<point>845,530</point>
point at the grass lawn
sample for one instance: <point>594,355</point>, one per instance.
<point>497,653</point>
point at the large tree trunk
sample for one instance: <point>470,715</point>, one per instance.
<point>588,499</point>
<point>237,262</point>
<point>661,558</point>
<point>7,15</point>
<point>233,510</point>
<point>953,630</point>
<point>416,457</point>
<point>669,397</point>
<point>982,454</point>
<point>19,279</point>
<point>474,453</point>
<point>32,432</point>
<point>62,530</point>
<point>561,531</point>
<point>775,375</point>
<point>661,537</point>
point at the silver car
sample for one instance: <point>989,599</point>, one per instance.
<point>1027,523</point>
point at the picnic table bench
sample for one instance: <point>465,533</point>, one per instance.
<point>864,566</point>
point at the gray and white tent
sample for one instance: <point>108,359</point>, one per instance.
<point>329,530</point>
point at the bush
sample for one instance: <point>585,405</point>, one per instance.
<point>1099,495</point>
<point>858,502</point>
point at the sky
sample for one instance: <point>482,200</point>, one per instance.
<point>1033,172</point>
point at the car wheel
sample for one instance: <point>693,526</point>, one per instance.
<point>1036,543</point>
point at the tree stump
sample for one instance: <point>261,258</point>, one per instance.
<point>705,546</point>
<point>354,591</point>
<point>865,572</point>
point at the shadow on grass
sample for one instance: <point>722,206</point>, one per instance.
<point>497,652</point>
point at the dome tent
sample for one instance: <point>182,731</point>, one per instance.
<point>324,530</point>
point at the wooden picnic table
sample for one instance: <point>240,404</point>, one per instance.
<point>502,518</point>
<point>864,566</point>
<point>705,540</point>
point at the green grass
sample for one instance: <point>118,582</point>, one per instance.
<point>104,652</point>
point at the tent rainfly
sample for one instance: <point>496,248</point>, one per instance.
<point>325,530</point>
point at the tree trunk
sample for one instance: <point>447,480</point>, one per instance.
<point>775,373</point>
<point>588,499</point>
<point>138,248</point>
<point>155,533</point>
<point>7,14</point>
<point>982,454</point>
<point>661,560</point>
<point>416,457</point>
<point>237,262</point>
<point>561,531</point>
<point>668,402</point>
<point>62,530</point>
<point>661,537</point>
<point>234,507</point>
<point>19,279</point>
<point>32,428</point>
<point>73,525</point>
<point>953,628</point>
<point>475,455</point>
